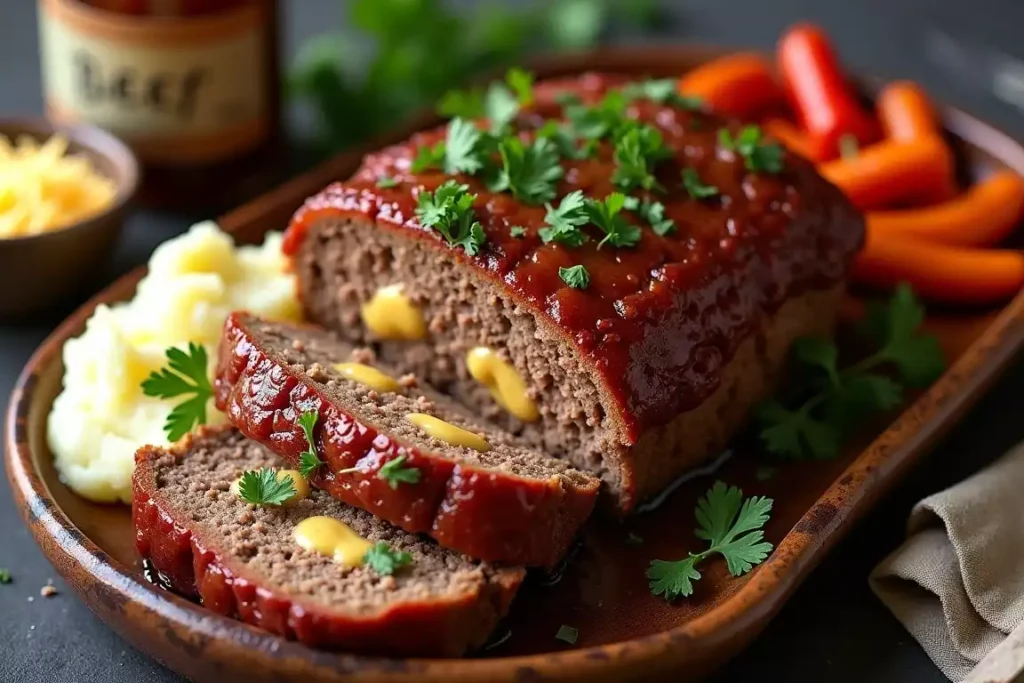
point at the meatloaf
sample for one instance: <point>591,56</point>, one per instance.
<point>650,367</point>
<point>505,503</point>
<point>242,561</point>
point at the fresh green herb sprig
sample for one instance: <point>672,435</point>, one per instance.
<point>500,103</point>
<point>813,426</point>
<point>638,148</point>
<point>5,576</point>
<point>449,211</point>
<point>396,472</point>
<point>564,224</point>
<point>428,157</point>
<point>264,487</point>
<point>695,187</point>
<point>654,213</point>
<point>466,148</point>
<point>607,216</point>
<point>185,375</point>
<point>385,182</point>
<point>733,528</point>
<point>384,560</point>
<point>576,276</point>
<point>309,461</point>
<point>662,91</point>
<point>530,171</point>
<point>758,155</point>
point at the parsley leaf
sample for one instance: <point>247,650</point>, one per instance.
<point>757,154</point>
<point>385,182</point>
<point>467,104</point>
<point>662,91</point>
<point>563,224</point>
<point>694,187</point>
<point>385,561</point>
<point>837,399</point>
<point>638,147</point>
<point>264,487</point>
<point>606,215</point>
<point>567,634</point>
<point>185,374</point>
<point>654,213</point>
<point>565,140</point>
<point>309,461</point>
<point>517,231</point>
<point>599,121</point>
<point>395,472</point>
<point>576,276</point>
<point>733,528</point>
<point>5,576</point>
<point>449,210</point>
<point>466,148</point>
<point>521,82</point>
<point>529,171</point>
<point>428,157</point>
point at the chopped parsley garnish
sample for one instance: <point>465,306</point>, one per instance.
<point>385,561</point>
<point>449,210</point>
<point>185,374</point>
<point>517,231</point>
<point>654,213</point>
<point>309,461</point>
<point>386,181</point>
<point>500,104</point>
<point>264,487</point>
<point>565,98</point>
<point>568,145</point>
<point>576,277</point>
<point>695,187</point>
<point>529,171</point>
<point>733,528</point>
<point>607,215</point>
<point>757,154</point>
<point>662,91</point>
<point>567,634</point>
<point>395,472</point>
<point>813,425</point>
<point>5,576</point>
<point>564,224</point>
<point>638,147</point>
<point>428,157</point>
<point>599,121</point>
<point>465,148</point>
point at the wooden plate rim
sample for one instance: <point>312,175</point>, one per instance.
<point>118,595</point>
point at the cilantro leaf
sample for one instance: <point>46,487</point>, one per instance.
<point>695,188</point>
<point>662,91</point>
<point>185,374</point>
<point>757,154</point>
<point>599,121</point>
<point>654,213</point>
<point>819,353</point>
<point>732,526</point>
<point>384,560</point>
<point>309,461</point>
<point>521,82</point>
<point>529,171</point>
<point>385,182</point>
<point>606,215</point>
<point>565,140</point>
<point>517,231</point>
<point>428,157</point>
<point>795,434</point>
<point>895,327</point>
<point>563,224</point>
<point>638,147</point>
<point>500,107</point>
<point>449,211</point>
<point>395,472</point>
<point>466,148</point>
<point>468,104</point>
<point>567,634</point>
<point>576,276</point>
<point>264,487</point>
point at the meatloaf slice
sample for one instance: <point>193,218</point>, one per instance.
<point>241,560</point>
<point>648,366</point>
<point>506,504</point>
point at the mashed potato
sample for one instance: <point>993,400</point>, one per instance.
<point>101,417</point>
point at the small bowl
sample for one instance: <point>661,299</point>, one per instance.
<point>38,271</point>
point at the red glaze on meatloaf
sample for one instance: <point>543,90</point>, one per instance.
<point>241,561</point>
<point>660,321</point>
<point>507,505</point>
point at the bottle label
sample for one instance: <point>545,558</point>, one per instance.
<point>187,90</point>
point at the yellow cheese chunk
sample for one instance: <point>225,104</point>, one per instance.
<point>300,483</point>
<point>330,537</point>
<point>368,376</point>
<point>504,382</point>
<point>391,315</point>
<point>449,433</point>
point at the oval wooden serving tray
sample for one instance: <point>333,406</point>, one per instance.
<point>625,633</point>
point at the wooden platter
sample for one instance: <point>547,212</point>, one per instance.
<point>625,633</point>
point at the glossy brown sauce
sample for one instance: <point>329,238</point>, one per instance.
<point>659,320</point>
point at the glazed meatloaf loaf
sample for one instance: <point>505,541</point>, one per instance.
<point>632,341</point>
<point>243,560</point>
<point>395,447</point>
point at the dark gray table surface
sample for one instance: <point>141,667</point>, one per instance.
<point>833,629</point>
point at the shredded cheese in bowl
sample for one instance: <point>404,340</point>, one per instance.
<point>43,188</point>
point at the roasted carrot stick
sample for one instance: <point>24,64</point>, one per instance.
<point>981,217</point>
<point>823,99</point>
<point>889,172</point>
<point>940,272</point>
<point>740,85</point>
<point>793,138</point>
<point>907,115</point>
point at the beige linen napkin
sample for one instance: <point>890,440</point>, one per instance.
<point>957,583</point>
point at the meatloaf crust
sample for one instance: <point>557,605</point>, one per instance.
<point>240,560</point>
<point>508,505</point>
<point>615,367</point>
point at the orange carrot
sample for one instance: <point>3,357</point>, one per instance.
<point>939,272</point>
<point>983,216</point>
<point>889,172</point>
<point>907,115</point>
<point>793,138</point>
<point>740,85</point>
